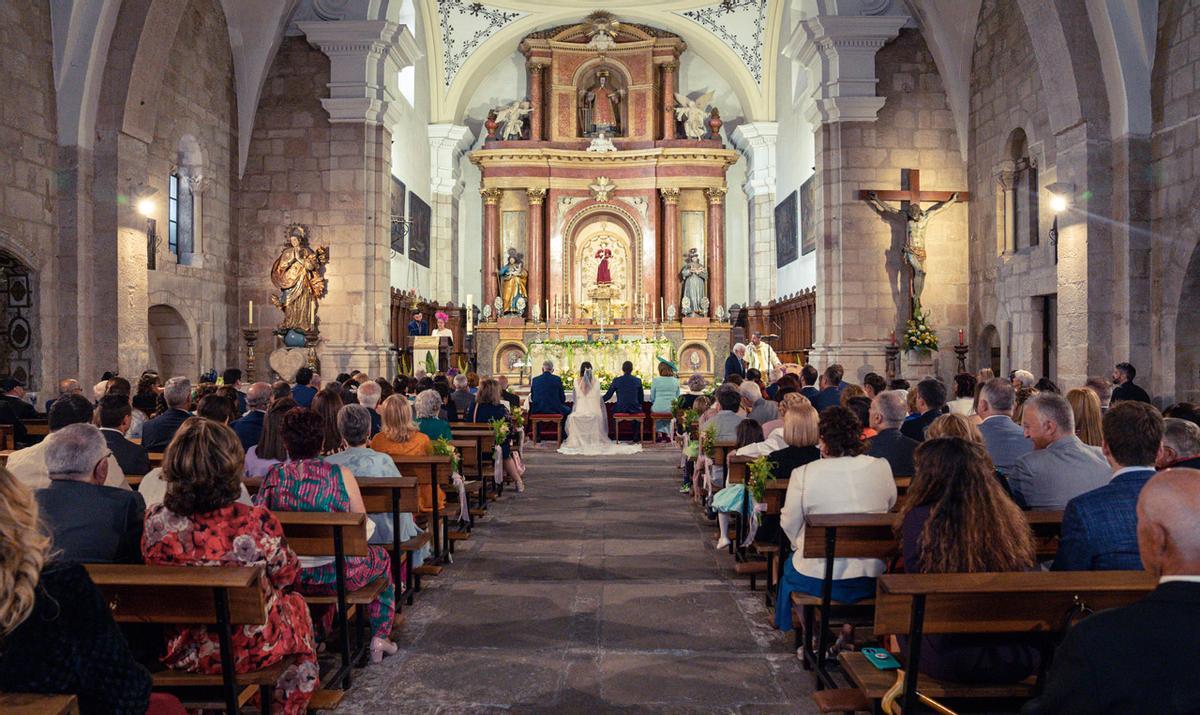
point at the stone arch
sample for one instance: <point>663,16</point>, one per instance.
<point>620,213</point>
<point>1068,62</point>
<point>703,353</point>
<point>988,350</point>
<point>172,342</point>
<point>504,355</point>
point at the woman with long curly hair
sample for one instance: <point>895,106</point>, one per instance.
<point>844,481</point>
<point>56,633</point>
<point>958,519</point>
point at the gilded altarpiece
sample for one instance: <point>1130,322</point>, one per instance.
<point>604,171</point>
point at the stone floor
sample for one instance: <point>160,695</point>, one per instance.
<point>597,590</point>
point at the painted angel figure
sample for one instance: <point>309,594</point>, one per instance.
<point>693,113</point>
<point>513,118</point>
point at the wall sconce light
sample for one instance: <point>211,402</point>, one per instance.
<point>1061,195</point>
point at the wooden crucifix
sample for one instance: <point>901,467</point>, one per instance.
<point>915,220</point>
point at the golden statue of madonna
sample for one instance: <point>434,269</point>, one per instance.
<point>297,275</point>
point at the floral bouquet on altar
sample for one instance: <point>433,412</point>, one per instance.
<point>918,335</point>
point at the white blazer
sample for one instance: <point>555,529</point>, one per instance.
<point>838,485</point>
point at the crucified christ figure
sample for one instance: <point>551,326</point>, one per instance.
<point>916,220</point>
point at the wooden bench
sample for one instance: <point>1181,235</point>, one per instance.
<point>774,494</point>
<point>485,444</point>
<point>396,495</point>
<point>1032,603</point>
<point>214,596</point>
<point>338,535</point>
<point>868,536</point>
<point>429,470</point>
<point>31,704</point>
<point>7,441</point>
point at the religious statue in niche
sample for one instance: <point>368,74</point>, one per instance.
<point>603,276</point>
<point>514,280</point>
<point>600,107</point>
<point>513,119</point>
<point>297,273</point>
<point>916,220</point>
<point>693,113</point>
<point>694,300</point>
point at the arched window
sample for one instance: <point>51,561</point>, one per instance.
<point>173,213</point>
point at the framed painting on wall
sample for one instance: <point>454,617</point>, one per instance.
<point>397,215</point>
<point>785,231</point>
<point>418,234</point>
<point>808,216</point>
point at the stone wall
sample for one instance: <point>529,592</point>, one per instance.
<point>1175,207</point>
<point>1006,95</point>
<point>859,261</point>
<point>196,134</point>
<point>28,152</point>
<point>289,148</point>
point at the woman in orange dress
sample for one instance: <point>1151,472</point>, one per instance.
<point>400,437</point>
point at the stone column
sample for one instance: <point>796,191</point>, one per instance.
<point>668,108</point>
<point>536,100</point>
<point>365,58</point>
<point>447,143</point>
<point>757,141</point>
<point>534,263</point>
<point>1006,203</point>
<point>716,248</point>
<point>491,243</point>
<point>191,191</point>
<point>671,257</point>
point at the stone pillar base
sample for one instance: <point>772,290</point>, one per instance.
<point>856,359</point>
<point>375,360</point>
<point>915,366</point>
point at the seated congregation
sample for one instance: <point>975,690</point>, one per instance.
<point>873,511</point>
<point>309,512</point>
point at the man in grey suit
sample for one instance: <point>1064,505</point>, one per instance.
<point>1061,467</point>
<point>757,408</point>
<point>1005,440</point>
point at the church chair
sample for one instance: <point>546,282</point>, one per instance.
<point>34,704</point>
<point>215,596</point>
<point>336,534</point>
<point>1034,602</point>
<point>395,495</point>
<point>551,419</point>
<point>619,418</point>
<point>655,417</point>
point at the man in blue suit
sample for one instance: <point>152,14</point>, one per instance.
<point>831,388</point>
<point>418,327</point>
<point>546,394</point>
<point>629,391</point>
<point>735,364</point>
<point>1099,528</point>
<point>249,426</point>
<point>157,433</point>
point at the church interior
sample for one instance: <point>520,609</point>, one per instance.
<point>712,356</point>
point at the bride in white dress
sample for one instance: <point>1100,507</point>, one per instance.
<point>587,425</point>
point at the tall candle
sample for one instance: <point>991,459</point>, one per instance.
<point>960,336</point>
<point>250,311</point>
<point>470,313</point>
<point>662,308</point>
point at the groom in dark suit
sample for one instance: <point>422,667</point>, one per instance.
<point>628,389</point>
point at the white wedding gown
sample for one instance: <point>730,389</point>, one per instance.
<point>587,425</point>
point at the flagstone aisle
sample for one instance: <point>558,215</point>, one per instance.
<point>597,590</point>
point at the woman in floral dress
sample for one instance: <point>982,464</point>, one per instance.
<point>200,523</point>
<point>310,483</point>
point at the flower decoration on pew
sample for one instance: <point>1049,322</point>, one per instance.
<point>518,418</point>
<point>499,430</point>
<point>443,448</point>
<point>710,442</point>
<point>761,471</point>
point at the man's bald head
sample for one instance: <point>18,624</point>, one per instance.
<point>258,396</point>
<point>1168,531</point>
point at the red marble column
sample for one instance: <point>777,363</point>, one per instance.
<point>716,248</point>
<point>668,108</point>
<point>537,100</point>
<point>491,244</point>
<point>671,257</point>
<point>534,263</point>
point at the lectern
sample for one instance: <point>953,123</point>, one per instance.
<point>424,345</point>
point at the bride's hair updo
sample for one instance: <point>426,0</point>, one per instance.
<point>584,367</point>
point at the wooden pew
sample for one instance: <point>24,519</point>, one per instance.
<point>773,498</point>
<point>220,597</point>
<point>1032,603</point>
<point>485,443</point>
<point>472,464</point>
<point>340,535</point>
<point>37,427</point>
<point>867,536</point>
<point>429,470</point>
<point>8,442</point>
<point>31,704</point>
<point>396,495</point>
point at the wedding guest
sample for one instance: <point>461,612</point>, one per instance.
<point>114,415</point>
<point>488,408</point>
<point>120,387</point>
<point>400,437</point>
<point>427,407</point>
<point>201,523</point>
<point>507,395</point>
<point>418,326</point>
<point>1103,389</point>
<point>1085,406</point>
<point>1184,411</point>
<point>929,400</point>
<point>326,405</point>
<point>1060,467</point>
<point>546,394</point>
<point>844,481</point>
<point>270,449</point>
<point>310,483</point>
<point>14,408</point>
<point>29,465</point>
<point>964,394</point>
<point>801,435</point>
<point>831,390</point>
<point>280,389</point>
<point>1180,444</point>
<point>808,375</point>
<point>1125,389</point>
<point>305,390</point>
<point>249,426</point>
<point>1045,384</point>
<point>757,408</point>
<point>790,401</point>
<point>629,391</point>
<point>1022,378</point>
<point>860,405</point>
<point>957,519</point>
<point>1004,438</point>
<point>735,364</point>
<point>157,433</point>
<point>232,378</point>
<point>695,387</point>
<point>873,384</point>
<point>462,397</point>
<point>749,432</point>
<point>216,407</point>
<point>663,391</point>
<point>727,418</point>
<point>886,415</point>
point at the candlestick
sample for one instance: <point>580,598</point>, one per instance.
<point>893,336</point>
<point>251,337</point>
<point>662,307</point>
